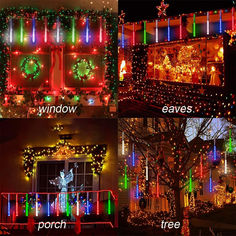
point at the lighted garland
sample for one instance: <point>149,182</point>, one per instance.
<point>30,67</point>
<point>96,152</point>
<point>82,69</point>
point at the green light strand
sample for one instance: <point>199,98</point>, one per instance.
<point>67,205</point>
<point>26,205</point>
<point>230,140</point>
<point>109,203</point>
<point>144,33</point>
<point>126,181</point>
<point>73,30</point>
<point>194,25</point>
<point>190,181</point>
<point>21,30</point>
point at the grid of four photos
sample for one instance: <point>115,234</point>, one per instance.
<point>118,117</point>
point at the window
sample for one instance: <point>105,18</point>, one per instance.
<point>49,170</point>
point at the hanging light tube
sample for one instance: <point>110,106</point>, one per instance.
<point>21,30</point>
<point>26,205</point>
<point>48,205</point>
<point>201,167</point>
<point>123,37</point>
<point>67,205</point>
<point>36,205</point>
<point>11,30</point>
<point>87,203</point>
<point>220,23</point>
<point>137,188</point>
<point>133,34</point>
<point>146,168</point>
<point>144,32</point>
<point>230,140</point>
<point>109,203</point>
<point>214,151</point>
<point>168,29</point>
<point>33,30</point>
<point>194,25</point>
<point>180,28</point>
<point>77,204</point>
<point>158,187</point>
<point>101,30</point>
<point>87,30</point>
<point>133,155</point>
<point>58,201</point>
<point>208,23</point>
<point>123,143</point>
<point>210,182</point>
<point>58,30</point>
<point>126,179</point>
<point>45,30</point>
<point>8,204</point>
<point>98,203</point>
<point>233,24</point>
<point>73,30</point>
<point>225,162</point>
<point>157,36</point>
<point>190,181</point>
<point>17,206</point>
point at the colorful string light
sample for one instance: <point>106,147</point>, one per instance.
<point>98,203</point>
<point>210,182</point>
<point>133,155</point>
<point>180,28</point>
<point>26,205</point>
<point>87,30</point>
<point>73,30</point>
<point>21,30</point>
<point>109,203</point>
<point>48,205</point>
<point>77,204</point>
<point>208,23</point>
<point>190,181</point>
<point>58,30</point>
<point>8,205</point>
<point>101,30</point>
<point>11,30</point>
<point>45,30</point>
<point>33,30</point>
<point>17,206</point>
<point>36,205</point>
<point>194,25</point>
<point>168,29</point>
<point>157,36</point>
<point>126,179</point>
<point>137,188</point>
<point>220,22</point>
<point>133,34</point>
<point>123,36</point>
<point>144,32</point>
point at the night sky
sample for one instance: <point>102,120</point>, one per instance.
<point>137,10</point>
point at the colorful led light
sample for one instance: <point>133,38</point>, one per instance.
<point>11,30</point>
<point>77,204</point>
<point>67,205</point>
<point>123,37</point>
<point>137,188</point>
<point>133,155</point>
<point>126,179</point>
<point>73,30</point>
<point>158,187</point>
<point>21,30</point>
<point>225,162</point>
<point>48,205</point>
<point>133,34</point>
<point>109,203</point>
<point>26,205</point>
<point>157,36</point>
<point>87,207</point>
<point>220,22</point>
<point>101,30</point>
<point>144,33</point>
<point>36,205</point>
<point>180,28</point>
<point>123,144</point>
<point>168,29</point>
<point>210,182</point>
<point>8,205</point>
<point>58,30</point>
<point>97,203</point>
<point>17,206</point>
<point>87,30</point>
<point>194,25</point>
<point>45,30</point>
<point>33,30</point>
<point>190,181</point>
<point>208,23</point>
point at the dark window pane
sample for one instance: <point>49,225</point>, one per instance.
<point>80,180</point>
<point>80,169</point>
<point>88,180</point>
<point>89,167</point>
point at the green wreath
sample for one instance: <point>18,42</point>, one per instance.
<point>82,69</point>
<point>30,67</point>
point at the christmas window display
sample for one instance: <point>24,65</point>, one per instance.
<point>64,54</point>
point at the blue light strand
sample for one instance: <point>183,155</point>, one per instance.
<point>123,37</point>
<point>137,188</point>
<point>220,23</point>
<point>8,205</point>
<point>33,30</point>
<point>168,29</point>
<point>87,30</point>
<point>133,155</point>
